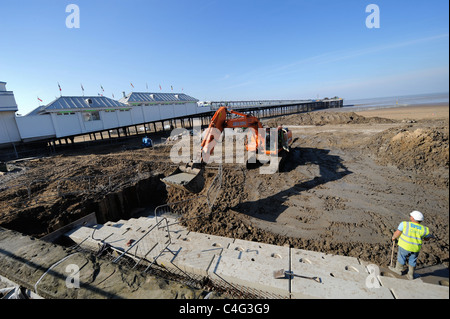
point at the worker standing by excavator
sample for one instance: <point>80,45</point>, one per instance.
<point>147,142</point>
<point>410,237</point>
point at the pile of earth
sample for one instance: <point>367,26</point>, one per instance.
<point>421,149</point>
<point>324,118</point>
<point>48,193</point>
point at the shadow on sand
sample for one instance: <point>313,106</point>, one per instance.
<point>330,169</point>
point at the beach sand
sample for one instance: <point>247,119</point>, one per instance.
<point>412,112</point>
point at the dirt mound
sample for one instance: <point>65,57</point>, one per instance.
<point>419,149</point>
<point>324,118</point>
<point>48,193</point>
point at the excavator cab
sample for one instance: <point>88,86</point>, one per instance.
<point>281,143</point>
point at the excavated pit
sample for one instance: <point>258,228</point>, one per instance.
<point>43,218</point>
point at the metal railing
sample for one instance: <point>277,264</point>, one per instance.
<point>150,246</point>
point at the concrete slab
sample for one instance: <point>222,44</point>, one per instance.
<point>335,288</point>
<point>195,262</point>
<point>175,230</point>
<point>117,224</point>
<point>83,235</point>
<point>251,265</point>
<point>346,268</point>
<point>138,224</point>
<point>437,275</point>
<point>413,289</point>
<point>247,274</point>
<point>260,252</point>
<point>149,247</point>
<point>339,281</point>
<point>318,258</point>
<point>194,252</point>
<point>194,241</point>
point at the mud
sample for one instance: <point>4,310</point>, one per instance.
<point>347,184</point>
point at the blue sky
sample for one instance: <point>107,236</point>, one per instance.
<point>224,50</point>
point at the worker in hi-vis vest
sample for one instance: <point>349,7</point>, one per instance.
<point>410,238</point>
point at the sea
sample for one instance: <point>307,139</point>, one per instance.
<point>397,101</point>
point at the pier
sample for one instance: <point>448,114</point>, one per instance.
<point>162,127</point>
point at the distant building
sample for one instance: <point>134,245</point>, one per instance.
<point>147,99</point>
<point>164,105</point>
<point>70,116</point>
<point>75,115</point>
<point>9,132</point>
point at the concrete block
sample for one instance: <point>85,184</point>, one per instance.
<point>274,257</point>
<point>335,288</point>
<point>260,252</point>
<point>115,240</point>
<point>195,262</point>
<point>196,241</point>
<point>413,289</point>
<point>138,224</point>
<point>79,233</point>
<point>245,273</point>
<point>148,245</point>
<point>318,258</point>
<point>194,252</point>
<point>176,230</point>
<point>346,268</point>
<point>117,224</point>
<point>340,279</point>
<point>82,235</point>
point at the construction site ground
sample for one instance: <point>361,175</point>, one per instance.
<point>348,182</point>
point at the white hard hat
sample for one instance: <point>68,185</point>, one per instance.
<point>418,216</point>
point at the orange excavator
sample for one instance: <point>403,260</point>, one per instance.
<point>259,140</point>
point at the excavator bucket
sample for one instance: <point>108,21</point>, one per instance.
<point>187,178</point>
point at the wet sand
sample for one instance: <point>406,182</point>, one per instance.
<point>411,112</point>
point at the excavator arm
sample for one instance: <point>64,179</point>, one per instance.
<point>219,122</point>
<point>190,177</point>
